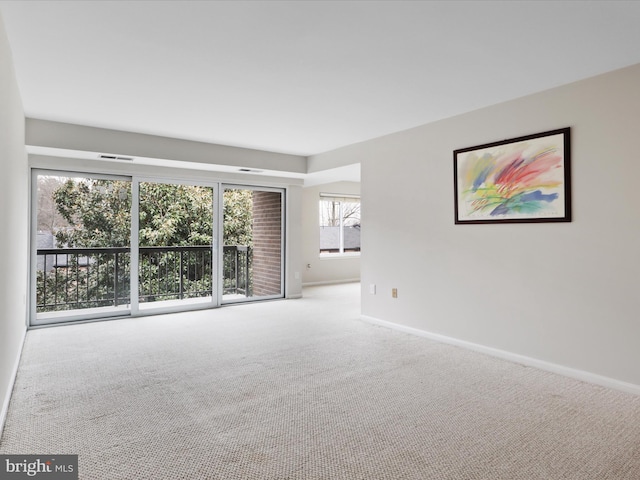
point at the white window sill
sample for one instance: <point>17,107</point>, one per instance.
<point>328,256</point>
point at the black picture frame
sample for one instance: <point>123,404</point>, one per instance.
<point>519,180</point>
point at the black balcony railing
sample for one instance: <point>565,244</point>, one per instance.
<point>174,273</point>
<point>236,270</point>
<point>77,278</point>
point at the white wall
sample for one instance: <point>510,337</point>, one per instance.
<point>13,224</point>
<point>293,243</point>
<point>560,293</point>
<point>325,269</point>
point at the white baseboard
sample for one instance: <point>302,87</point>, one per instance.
<point>513,357</point>
<point>12,381</point>
<point>331,282</point>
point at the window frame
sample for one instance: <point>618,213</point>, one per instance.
<point>341,199</point>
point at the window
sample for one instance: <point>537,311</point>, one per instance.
<point>339,224</point>
<point>105,245</point>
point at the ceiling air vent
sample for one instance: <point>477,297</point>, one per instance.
<point>115,157</point>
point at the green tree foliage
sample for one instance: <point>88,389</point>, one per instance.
<point>238,215</point>
<point>175,215</point>
<point>97,213</point>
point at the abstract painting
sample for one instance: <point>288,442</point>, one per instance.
<point>520,180</point>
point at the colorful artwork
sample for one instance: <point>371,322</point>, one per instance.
<point>524,179</point>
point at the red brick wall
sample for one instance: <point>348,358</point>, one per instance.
<point>267,243</point>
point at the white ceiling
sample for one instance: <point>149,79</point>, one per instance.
<point>302,77</point>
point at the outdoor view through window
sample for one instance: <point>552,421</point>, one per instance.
<point>83,251</point>
<point>339,224</point>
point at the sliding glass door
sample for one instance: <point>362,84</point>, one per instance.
<point>106,246</point>
<point>175,246</point>
<point>82,254</point>
<point>253,225</point>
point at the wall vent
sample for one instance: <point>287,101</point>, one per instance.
<point>115,157</point>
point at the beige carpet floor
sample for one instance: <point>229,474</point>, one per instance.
<point>302,389</point>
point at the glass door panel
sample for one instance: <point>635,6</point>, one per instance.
<point>253,247</point>
<point>175,246</point>
<point>82,253</point>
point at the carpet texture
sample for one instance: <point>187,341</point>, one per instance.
<point>302,389</point>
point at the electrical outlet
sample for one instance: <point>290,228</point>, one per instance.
<point>394,292</point>
<point>372,289</point>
